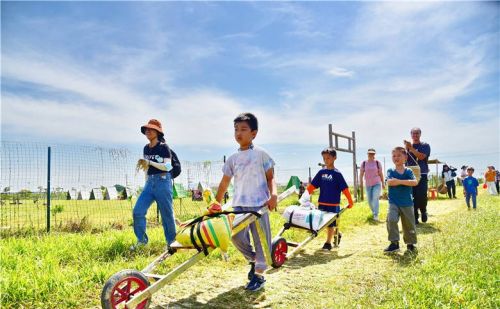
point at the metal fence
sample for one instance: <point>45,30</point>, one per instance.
<point>91,187</point>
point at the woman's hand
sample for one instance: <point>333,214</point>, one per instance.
<point>142,164</point>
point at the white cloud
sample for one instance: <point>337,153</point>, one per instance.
<point>340,72</point>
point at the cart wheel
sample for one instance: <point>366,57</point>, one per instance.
<point>121,287</point>
<point>279,251</point>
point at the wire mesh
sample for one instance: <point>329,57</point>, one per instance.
<point>94,187</point>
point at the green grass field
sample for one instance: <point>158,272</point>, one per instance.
<point>457,267</point>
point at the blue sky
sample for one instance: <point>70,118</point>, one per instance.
<point>92,73</point>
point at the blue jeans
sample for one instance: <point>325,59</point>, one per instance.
<point>467,199</point>
<point>373,195</point>
<point>420,196</point>
<point>158,188</point>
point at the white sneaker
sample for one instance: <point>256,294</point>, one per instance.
<point>375,218</point>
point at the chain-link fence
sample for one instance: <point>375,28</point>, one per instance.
<point>93,188</point>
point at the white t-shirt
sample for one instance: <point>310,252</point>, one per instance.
<point>447,176</point>
<point>249,167</point>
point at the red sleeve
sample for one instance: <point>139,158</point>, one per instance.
<point>311,188</point>
<point>348,196</point>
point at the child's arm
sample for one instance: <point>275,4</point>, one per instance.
<point>347,194</point>
<point>400,182</point>
<point>310,189</point>
<point>223,185</point>
<point>273,189</point>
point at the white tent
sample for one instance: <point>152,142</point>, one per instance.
<point>111,193</point>
<point>96,194</point>
<point>84,195</point>
<point>202,186</point>
<point>73,194</point>
<point>130,192</point>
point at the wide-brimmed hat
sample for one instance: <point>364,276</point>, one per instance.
<point>152,124</point>
<point>371,150</point>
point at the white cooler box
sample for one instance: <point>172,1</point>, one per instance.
<point>303,216</point>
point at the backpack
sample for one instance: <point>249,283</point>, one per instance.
<point>176,164</point>
<point>378,164</point>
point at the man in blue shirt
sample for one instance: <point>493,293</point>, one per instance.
<point>418,153</point>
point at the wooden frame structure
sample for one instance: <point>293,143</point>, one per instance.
<point>351,148</point>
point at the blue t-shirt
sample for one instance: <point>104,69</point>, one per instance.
<point>423,148</point>
<point>401,196</point>
<point>470,184</point>
<point>331,183</point>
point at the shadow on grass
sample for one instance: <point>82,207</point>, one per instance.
<point>302,259</point>
<point>405,259</point>
<point>237,297</point>
<point>427,228</point>
<point>370,221</point>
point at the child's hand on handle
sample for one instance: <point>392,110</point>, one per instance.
<point>214,208</point>
<point>272,203</point>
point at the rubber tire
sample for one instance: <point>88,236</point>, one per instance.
<point>117,279</point>
<point>278,252</point>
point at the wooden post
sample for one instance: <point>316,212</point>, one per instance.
<point>48,190</point>
<point>351,148</point>
<point>355,167</point>
<point>330,132</point>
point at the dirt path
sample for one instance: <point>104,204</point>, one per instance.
<point>354,267</point>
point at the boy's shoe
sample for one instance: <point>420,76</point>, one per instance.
<point>327,246</point>
<point>376,219</point>
<point>138,245</point>
<point>170,250</point>
<point>252,270</point>
<point>411,248</point>
<point>256,283</point>
<point>393,247</point>
<point>424,217</point>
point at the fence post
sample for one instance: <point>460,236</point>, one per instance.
<point>48,189</point>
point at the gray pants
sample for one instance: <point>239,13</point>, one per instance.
<point>407,220</point>
<point>242,240</point>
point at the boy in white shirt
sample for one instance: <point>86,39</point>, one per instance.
<point>254,188</point>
